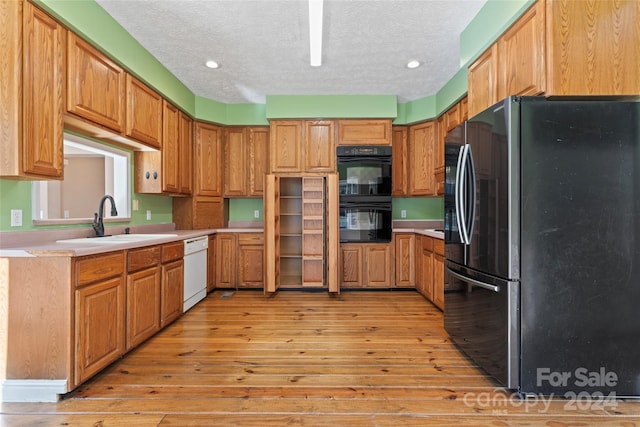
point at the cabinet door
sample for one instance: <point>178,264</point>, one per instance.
<point>235,168</point>
<point>95,85</point>
<point>272,233</point>
<point>364,132</point>
<point>226,248</point>
<point>211,263</point>
<point>483,90</point>
<point>320,146</point>
<point>258,159</point>
<point>399,159</point>
<point>170,148</point>
<point>438,281</point>
<point>186,154</point>
<point>405,271</point>
<point>143,305</point>
<point>521,55</point>
<point>172,294</point>
<point>208,160</point>
<point>421,151</point>
<point>144,113</point>
<point>593,47</point>
<point>250,264</point>
<point>427,268</point>
<point>286,145</point>
<point>99,326</point>
<point>42,93</point>
<point>351,266</point>
<point>378,265</point>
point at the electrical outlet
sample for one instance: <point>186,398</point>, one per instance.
<point>148,215</point>
<point>16,217</point>
<point>403,213</point>
<point>256,213</point>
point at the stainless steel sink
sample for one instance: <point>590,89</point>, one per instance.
<point>117,238</point>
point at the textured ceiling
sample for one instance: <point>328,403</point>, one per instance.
<point>262,46</point>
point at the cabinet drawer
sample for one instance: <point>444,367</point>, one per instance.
<point>98,267</point>
<point>138,259</point>
<point>438,246</point>
<point>250,239</point>
<point>172,251</point>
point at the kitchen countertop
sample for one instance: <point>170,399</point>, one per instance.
<point>425,232</point>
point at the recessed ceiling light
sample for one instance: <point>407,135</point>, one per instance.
<point>413,64</point>
<point>211,64</point>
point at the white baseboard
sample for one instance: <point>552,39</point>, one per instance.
<point>32,390</point>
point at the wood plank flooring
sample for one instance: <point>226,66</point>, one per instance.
<point>305,359</point>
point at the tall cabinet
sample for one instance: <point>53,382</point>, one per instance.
<point>301,231</point>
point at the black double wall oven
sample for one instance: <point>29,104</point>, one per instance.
<point>365,193</point>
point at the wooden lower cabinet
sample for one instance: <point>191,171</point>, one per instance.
<point>430,269</point>
<point>211,263</point>
<point>405,260</point>
<point>366,265</point>
<point>143,295</point>
<point>239,260</point>
<point>171,283</point>
<point>99,313</point>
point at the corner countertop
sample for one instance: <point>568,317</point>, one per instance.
<point>423,231</point>
<point>425,227</point>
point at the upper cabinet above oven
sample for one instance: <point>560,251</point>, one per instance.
<point>364,132</point>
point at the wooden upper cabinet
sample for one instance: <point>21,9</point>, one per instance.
<point>320,147</point>
<point>399,158</point>
<point>170,148</point>
<point>364,132</point>
<point>32,78</point>
<point>285,153</point>
<point>258,159</point>
<point>208,159</point>
<point>421,158</point>
<point>185,127</point>
<point>483,90</point>
<point>593,47</point>
<point>235,167</point>
<point>95,85</point>
<point>144,113</point>
<point>521,58</point>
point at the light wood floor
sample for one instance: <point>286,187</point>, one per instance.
<point>305,359</point>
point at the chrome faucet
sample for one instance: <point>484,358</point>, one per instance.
<point>98,225</point>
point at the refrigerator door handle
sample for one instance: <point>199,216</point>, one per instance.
<point>478,283</point>
<point>471,210</point>
<point>462,196</point>
<point>458,192</point>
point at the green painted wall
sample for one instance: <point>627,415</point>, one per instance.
<point>418,207</point>
<point>243,209</point>
<point>331,106</point>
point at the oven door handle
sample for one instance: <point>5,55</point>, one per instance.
<point>364,206</point>
<point>379,160</point>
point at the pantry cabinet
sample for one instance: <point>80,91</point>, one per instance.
<point>95,85</point>
<point>364,132</point>
<point>31,112</point>
<point>302,146</point>
<point>99,285</point>
<point>301,232</point>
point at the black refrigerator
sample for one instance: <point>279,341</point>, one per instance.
<point>542,243</point>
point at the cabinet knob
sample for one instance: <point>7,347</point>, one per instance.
<point>146,175</point>
<point>155,175</point>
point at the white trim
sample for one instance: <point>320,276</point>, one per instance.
<point>32,390</point>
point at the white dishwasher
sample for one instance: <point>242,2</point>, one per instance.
<point>195,270</point>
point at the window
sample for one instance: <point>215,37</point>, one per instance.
<point>91,170</point>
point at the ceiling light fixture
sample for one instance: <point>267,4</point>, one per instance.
<point>211,64</point>
<point>315,32</point>
<point>413,64</point>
